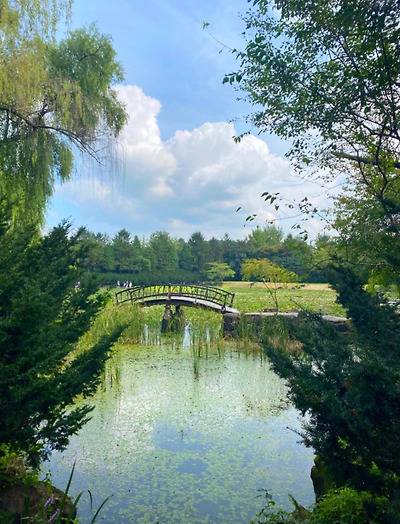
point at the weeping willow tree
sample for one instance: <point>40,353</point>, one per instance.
<point>56,97</point>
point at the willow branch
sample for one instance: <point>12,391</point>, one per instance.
<point>76,139</point>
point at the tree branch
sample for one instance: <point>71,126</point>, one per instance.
<point>71,135</point>
<point>360,159</point>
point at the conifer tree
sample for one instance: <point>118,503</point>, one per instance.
<point>349,385</point>
<point>43,314</point>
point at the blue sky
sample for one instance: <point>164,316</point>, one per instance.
<point>164,50</point>
<point>177,167</point>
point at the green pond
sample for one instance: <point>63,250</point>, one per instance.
<point>185,433</point>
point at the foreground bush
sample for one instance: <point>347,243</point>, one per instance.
<point>341,506</point>
<point>349,385</point>
<point>43,314</point>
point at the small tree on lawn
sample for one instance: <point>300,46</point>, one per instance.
<point>43,314</point>
<point>219,271</point>
<point>272,275</point>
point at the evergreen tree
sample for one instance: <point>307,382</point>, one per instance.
<point>43,314</point>
<point>164,253</point>
<point>96,246</point>
<point>123,251</point>
<point>140,262</point>
<point>349,385</point>
<point>199,250</point>
<point>215,249</point>
<point>185,257</point>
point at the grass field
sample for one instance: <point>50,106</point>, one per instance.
<point>250,296</point>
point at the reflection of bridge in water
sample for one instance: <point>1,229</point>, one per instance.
<point>191,295</point>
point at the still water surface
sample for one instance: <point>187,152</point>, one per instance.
<point>180,435</point>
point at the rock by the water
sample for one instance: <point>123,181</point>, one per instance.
<point>20,501</point>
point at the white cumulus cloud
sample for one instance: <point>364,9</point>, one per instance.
<point>193,181</point>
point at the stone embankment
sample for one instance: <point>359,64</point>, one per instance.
<point>231,320</point>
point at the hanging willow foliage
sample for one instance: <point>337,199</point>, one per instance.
<point>55,97</point>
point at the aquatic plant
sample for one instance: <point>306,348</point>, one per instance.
<point>338,506</point>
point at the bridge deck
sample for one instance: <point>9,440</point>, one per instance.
<point>191,295</point>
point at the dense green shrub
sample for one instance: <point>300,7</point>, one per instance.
<point>347,506</point>
<point>340,506</point>
<point>349,385</point>
<point>43,314</point>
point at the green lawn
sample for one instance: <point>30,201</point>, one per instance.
<point>255,297</point>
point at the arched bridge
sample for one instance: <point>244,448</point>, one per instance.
<point>179,294</point>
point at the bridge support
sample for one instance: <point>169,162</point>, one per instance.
<point>178,319</point>
<point>173,321</point>
<point>229,323</point>
<point>166,319</point>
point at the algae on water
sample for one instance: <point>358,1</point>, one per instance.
<point>187,430</point>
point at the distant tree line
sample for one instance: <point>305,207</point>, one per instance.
<point>162,258</point>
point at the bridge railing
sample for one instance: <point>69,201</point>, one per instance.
<point>208,293</point>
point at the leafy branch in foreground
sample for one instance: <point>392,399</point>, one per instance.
<point>326,77</point>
